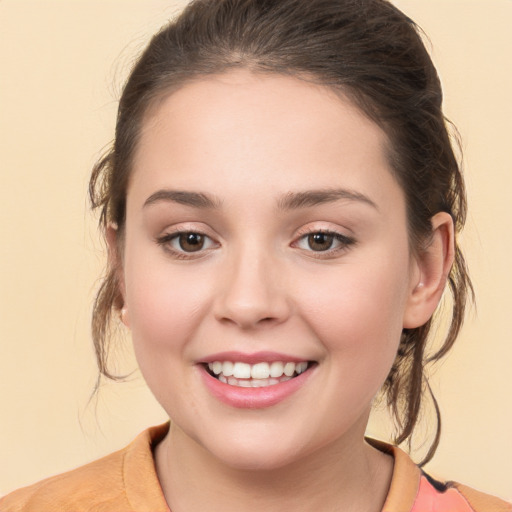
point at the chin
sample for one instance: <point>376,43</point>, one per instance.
<point>257,459</point>
<point>261,449</point>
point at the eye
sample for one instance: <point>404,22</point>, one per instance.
<point>186,242</point>
<point>189,242</point>
<point>320,241</point>
<point>323,241</point>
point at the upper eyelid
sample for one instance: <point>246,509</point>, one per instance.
<point>314,228</point>
<point>335,234</point>
<point>188,227</point>
<point>205,230</point>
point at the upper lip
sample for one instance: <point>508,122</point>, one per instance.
<point>253,358</point>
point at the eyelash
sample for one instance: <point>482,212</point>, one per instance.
<point>166,240</point>
<point>343,240</point>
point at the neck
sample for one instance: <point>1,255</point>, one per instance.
<point>347,475</point>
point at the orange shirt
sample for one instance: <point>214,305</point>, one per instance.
<point>126,481</point>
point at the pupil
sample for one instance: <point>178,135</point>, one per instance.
<point>191,242</point>
<point>320,241</point>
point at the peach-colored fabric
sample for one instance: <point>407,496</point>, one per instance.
<point>480,501</point>
<point>126,481</point>
<point>411,490</point>
<point>429,499</point>
<point>456,498</point>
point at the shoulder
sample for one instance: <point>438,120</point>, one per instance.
<point>452,496</point>
<point>124,480</point>
<point>413,490</point>
<point>482,502</point>
<point>84,488</point>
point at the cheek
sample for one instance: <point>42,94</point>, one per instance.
<point>358,312</point>
<point>165,303</point>
<point>165,311</point>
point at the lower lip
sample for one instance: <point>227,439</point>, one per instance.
<point>253,398</point>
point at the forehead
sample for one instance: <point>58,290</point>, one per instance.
<point>245,130</point>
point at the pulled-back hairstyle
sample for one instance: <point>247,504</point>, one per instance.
<point>368,51</point>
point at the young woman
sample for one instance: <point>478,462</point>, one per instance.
<point>281,205</point>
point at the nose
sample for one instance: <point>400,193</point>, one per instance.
<point>252,292</point>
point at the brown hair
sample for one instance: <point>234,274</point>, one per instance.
<point>367,50</point>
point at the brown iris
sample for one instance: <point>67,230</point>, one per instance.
<point>191,242</point>
<point>320,241</point>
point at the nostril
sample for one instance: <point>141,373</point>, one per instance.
<point>247,318</point>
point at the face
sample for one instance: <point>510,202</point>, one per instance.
<point>266,269</point>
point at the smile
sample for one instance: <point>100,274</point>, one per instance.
<point>257,375</point>
<point>257,380</point>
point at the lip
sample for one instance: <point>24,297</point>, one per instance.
<point>256,357</point>
<point>253,398</point>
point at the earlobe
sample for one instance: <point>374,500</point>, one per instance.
<point>432,267</point>
<point>115,266</point>
<point>124,316</point>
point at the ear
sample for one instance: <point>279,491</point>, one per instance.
<point>115,263</point>
<point>431,267</point>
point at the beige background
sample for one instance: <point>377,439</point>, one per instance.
<point>61,66</point>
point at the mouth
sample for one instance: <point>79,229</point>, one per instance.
<point>258,375</point>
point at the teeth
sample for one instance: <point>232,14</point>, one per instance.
<point>227,368</point>
<point>260,374</point>
<point>289,369</point>
<point>301,367</point>
<point>252,383</point>
<point>260,371</point>
<point>242,371</point>
<point>276,369</point>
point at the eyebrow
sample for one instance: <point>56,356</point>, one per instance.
<point>195,199</point>
<point>296,200</point>
<point>289,201</point>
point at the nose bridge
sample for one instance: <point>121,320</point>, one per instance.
<point>251,291</point>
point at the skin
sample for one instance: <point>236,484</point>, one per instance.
<point>249,141</point>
